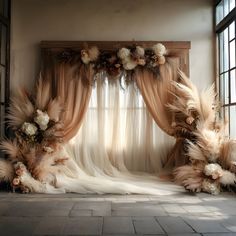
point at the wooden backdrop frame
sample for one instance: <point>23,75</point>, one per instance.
<point>178,49</point>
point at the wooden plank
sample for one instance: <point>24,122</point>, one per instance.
<point>112,45</point>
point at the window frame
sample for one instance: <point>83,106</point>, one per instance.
<point>6,21</point>
<point>219,29</point>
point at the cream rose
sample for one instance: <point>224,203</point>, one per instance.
<point>29,128</point>
<point>42,119</point>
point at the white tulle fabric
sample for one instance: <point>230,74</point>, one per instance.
<point>119,148</point>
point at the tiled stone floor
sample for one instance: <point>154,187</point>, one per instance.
<point>181,214</point>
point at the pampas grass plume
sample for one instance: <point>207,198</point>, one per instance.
<point>6,171</point>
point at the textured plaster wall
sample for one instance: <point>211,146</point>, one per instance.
<point>36,20</point>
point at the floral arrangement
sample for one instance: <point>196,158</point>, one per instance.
<point>211,165</point>
<point>126,58</point>
<point>34,154</point>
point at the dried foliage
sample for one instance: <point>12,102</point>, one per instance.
<point>211,154</point>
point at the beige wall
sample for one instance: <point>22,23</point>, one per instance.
<point>36,20</point>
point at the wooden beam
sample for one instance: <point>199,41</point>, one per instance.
<point>111,45</point>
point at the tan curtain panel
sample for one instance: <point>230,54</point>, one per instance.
<point>72,85</point>
<point>156,92</point>
<point>74,89</point>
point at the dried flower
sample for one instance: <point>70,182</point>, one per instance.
<point>29,128</point>
<point>93,53</point>
<point>89,55</point>
<point>85,56</point>
<point>159,49</point>
<point>42,119</point>
<point>16,181</point>
<point>140,51</point>
<point>141,62</point>
<point>161,60</point>
<point>214,170</point>
<point>123,53</point>
<point>210,187</point>
<point>19,165</point>
<point>48,149</point>
<point>129,65</point>
<point>189,120</point>
<point>19,172</point>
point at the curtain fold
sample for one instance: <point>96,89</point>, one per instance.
<point>157,93</point>
<point>72,85</point>
<point>75,91</point>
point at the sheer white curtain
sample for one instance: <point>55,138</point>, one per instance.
<point>119,142</point>
<point>118,131</point>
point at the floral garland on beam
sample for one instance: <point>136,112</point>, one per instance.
<point>114,62</point>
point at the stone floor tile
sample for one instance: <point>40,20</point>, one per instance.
<point>220,234</point>
<point>17,226</point>
<point>50,226</point>
<point>209,225</point>
<point>81,212</point>
<point>230,223</point>
<point>4,206</point>
<point>23,211</point>
<point>58,212</point>
<point>174,208</point>
<point>97,208</point>
<point>147,225</point>
<point>83,226</point>
<point>137,209</point>
<point>195,208</point>
<point>118,225</point>
<point>174,225</point>
<point>187,234</point>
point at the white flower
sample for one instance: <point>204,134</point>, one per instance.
<point>48,149</point>
<point>214,170</point>
<point>140,51</point>
<point>29,128</point>
<point>227,178</point>
<point>42,119</point>
<point>159,49</point>
<point>210,187</point>
<point>123,53</point>
<point>130,65</point>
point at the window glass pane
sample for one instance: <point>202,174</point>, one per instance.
<point>4,7</point>
<point>219,12</point>
<point>226,118</point>
<point>231,5</point>
<point>232,30</point>
<point>226,88</point>
<point>226,7</point>
<point>226,50</point>
<point>232,121</point>
<point>232,53</point>
<point>233,86</point>
<point>221,54</point>
<point>2,83</point>
<point>3,43</point>
<point>222,89</point>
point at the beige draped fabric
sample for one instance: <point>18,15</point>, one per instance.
<point>74,89</point>
<point>72,85</point>
<point>156,92</point>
